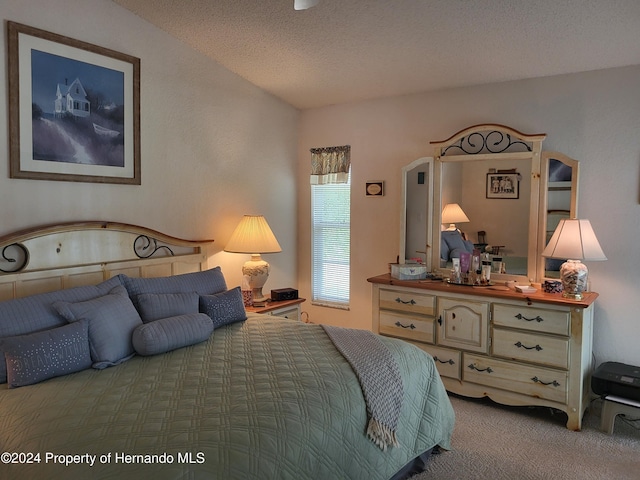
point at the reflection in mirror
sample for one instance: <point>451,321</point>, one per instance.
<point>560,175</point>
<point>416,215</point>
<point>503,217</point>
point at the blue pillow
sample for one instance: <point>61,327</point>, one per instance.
<point>455,243</point>
<point>154,306</point>
<point>170,333</point>
<point>444,249</point>
<point>112,319</point>
<point>39,356</point>
<point>34,313</point>
<point>203,283</point>
<point>224,308</point>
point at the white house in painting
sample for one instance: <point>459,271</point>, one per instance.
<point>72,99</point>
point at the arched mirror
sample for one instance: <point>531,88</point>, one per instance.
<point>493,173</point>
<point>558,200</point>
<point>512,221</point>
<point>416,215</point>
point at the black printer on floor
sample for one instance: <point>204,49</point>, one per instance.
<point>613,378</point>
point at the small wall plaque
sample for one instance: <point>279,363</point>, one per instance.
<point>375,189</point>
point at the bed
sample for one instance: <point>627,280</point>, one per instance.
<point>258,397</point>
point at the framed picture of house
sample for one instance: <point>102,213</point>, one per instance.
<point>74,109</point>
<point>503,185</point>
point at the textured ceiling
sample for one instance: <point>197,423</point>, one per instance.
<point>348,50</point>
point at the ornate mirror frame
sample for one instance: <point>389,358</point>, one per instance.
<point>497,143</point>
<point>494,142</point>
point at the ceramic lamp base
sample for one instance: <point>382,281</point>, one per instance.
<point>257,271</point>
<point>573,275</point>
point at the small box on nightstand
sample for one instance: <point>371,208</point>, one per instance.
<point>284,294</point>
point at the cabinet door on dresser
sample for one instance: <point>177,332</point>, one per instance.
<point>463,324</point>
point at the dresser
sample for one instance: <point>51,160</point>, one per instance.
<point>517,349</point>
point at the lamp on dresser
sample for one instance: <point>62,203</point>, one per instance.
<point>575,240</point>
<point>254,236</point>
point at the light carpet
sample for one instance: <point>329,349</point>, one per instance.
<point>496,442</point>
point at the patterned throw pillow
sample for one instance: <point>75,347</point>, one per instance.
<point>39,356</point>
<point>224,308</point>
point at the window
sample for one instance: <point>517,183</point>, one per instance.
<point>330,243</point>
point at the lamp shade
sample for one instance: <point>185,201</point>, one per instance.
<point>253,235</point>
<point>574,239</point>
<point>452,213</point>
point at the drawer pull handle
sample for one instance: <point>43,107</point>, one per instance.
<point>450,361</point>
<point>473,367</point>
<point>408,302</point>
<point>521,345</point>
<point>411,326</point>
<point>537,319</point>
<point>537,380</point>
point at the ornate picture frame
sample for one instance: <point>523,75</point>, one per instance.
<point>74,109</point>
<point>503,185</point>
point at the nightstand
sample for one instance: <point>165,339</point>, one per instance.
<point>286,308</point>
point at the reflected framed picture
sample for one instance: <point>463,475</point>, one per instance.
<point>74,109</point>
<point>503,185</point>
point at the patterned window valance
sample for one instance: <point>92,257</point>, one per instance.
<point>330,165</point>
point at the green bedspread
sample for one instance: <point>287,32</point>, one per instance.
<point>263,399</point>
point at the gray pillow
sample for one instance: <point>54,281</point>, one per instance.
<point>154,306</point>
<point>203,283</point>
<point>455,243</point>
<point>224,308</point>
<point>112,319</point>
<point>35,314</point>
<point>35,357</point>
<point>170,333</point>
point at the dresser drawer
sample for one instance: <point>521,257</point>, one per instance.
<point>531,347</point>
<point>405,326</point>
<point>525,379</point>
<point>292,313</point>
<point>447,361</point>
<point>406,301</point>
<point>531,318</point>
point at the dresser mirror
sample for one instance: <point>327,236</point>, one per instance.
<point>517,224</point>
<point>416,216</point>
<point>560,200</point>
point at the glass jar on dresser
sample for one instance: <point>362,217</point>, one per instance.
<point>515,348</point>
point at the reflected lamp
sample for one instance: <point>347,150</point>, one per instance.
<point>452,214</point>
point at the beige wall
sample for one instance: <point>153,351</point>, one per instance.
<point>214,147</point>
<point>593,117</point>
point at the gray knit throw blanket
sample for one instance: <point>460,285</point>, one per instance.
<point>379,378</point>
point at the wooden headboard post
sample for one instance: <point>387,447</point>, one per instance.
<point>59,256</point>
